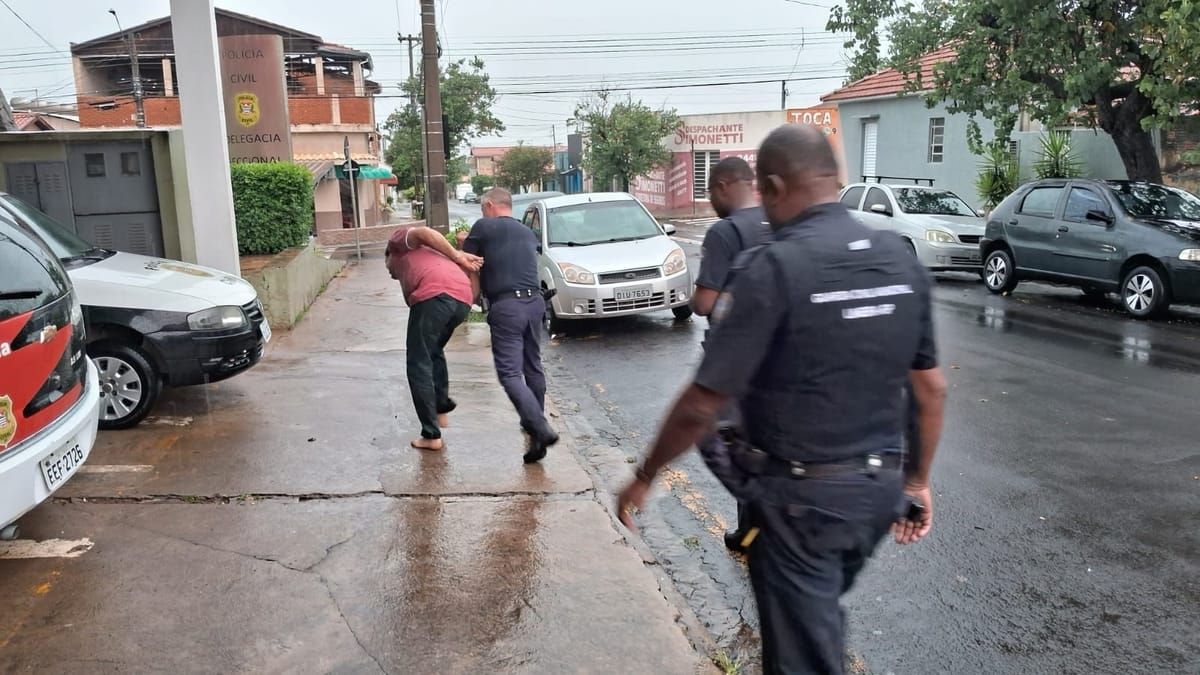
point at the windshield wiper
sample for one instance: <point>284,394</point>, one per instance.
<point>21,294</point>
<point>94,253</point>
<point>617,239</point>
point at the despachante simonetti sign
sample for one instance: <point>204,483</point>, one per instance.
<point>255,92</point>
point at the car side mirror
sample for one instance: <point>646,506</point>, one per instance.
<point>669,229</point>
<point>881,209</point>
<point>1101,216</point>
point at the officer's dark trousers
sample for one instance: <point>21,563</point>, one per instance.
<point>516,325</point>
<point>430,325</point>
<point>815,537</point>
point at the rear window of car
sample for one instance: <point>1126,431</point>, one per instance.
<point>852,197</point>
<point>1041,201</point>
<point>30,277</point>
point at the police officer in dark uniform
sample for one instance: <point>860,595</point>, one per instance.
<point>829,321</point>
<point>742,226</point>
<point>509,281</point>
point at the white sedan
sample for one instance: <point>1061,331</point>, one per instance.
<point>943,231</point>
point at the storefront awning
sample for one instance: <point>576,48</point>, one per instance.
<point>368,172</point>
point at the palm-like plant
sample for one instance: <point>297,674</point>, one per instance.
<point>998,175</point>
<point>1055,159</point>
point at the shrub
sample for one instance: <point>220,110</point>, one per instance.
<point>998,175</point>
<point>273,204</point>
<point>1055,159</point>
<point>454,229</point>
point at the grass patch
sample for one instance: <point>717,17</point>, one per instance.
<point>476,317</point>
<point>727,664</point>
<point>692,543</point>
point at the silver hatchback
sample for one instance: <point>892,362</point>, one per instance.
<point>605,256</point>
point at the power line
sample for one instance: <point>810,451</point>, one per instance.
<point>31,28</point>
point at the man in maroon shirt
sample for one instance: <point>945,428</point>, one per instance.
<point>433,276</point>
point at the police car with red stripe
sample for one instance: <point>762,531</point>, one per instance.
<point>49,393</point>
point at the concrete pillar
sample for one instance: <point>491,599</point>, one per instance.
<point>356,69</point>
<point>335,103</point>
<point>168,78</point>
<point>319,65</point>
<point>205,146</point>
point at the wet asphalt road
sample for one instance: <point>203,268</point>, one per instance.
<point>1068,488</point>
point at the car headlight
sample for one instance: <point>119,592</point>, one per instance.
<point>939,236</point>
<point>574,274</point>
<point>675,263</point>
<point>217,318</point>
<point>1190,254</point>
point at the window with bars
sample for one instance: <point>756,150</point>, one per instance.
<point>702,163</point>
<point>937,138</point>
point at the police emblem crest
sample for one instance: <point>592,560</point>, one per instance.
<point>246,109</point>
<point>8,421</point>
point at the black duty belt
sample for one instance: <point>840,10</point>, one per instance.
<point>519,293</point>
<point>760,463</point>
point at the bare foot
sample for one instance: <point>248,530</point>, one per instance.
<point>443,420</point>
<point>428,444</point>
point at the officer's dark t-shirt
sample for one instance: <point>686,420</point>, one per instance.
<point>510,257</point>
<point>827,320</point>
<point>722,244</point>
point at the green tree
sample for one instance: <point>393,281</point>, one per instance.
<point>1126,64</point>
<point>523,165</point>
<point>999,175</point>
<point>1055,157</point>
<point>467,99</point>
<point>623,138</point>
<point>481,183</point>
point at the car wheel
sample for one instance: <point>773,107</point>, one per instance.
<point>554,325</point>
<point>682,313</point>
<point>998,273</point>
<point>1144,293</point>
<point>129,386</point>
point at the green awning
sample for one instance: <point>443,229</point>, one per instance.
<point>367,172</point>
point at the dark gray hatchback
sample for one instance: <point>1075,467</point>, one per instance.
<point>1141,240</point>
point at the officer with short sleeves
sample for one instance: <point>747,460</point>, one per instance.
<point>742,226</point>
<point>831,321</point>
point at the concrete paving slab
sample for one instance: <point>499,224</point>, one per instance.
<point>349,585</point>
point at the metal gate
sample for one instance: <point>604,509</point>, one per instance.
<point>115,196</point>
<point>44,186</point>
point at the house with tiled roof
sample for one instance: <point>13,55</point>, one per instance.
<point>890,135</point>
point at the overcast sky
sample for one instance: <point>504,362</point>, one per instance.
<point>528,47</point>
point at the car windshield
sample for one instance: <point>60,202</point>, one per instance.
<point>931,202</point>
<point>64,243</point>
<point>599,223</point>
<point>1147,200</point>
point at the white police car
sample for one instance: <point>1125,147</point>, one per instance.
<point>151,322</point>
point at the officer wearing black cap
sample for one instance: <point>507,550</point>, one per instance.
<point>831,320</point>
<point>742,226</point>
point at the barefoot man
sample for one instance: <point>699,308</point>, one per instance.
<point>433,276</point>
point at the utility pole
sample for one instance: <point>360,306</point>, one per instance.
<point>139,117</point>
<point>437,213</point>
<point>783,94</point>
<point>554,152</point>
<point>413,41</point>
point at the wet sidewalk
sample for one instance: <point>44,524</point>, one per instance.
<point>279,522</point>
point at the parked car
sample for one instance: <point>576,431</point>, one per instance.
<point>470,198</point>
<point>1141,240</point>
<point>151,322</point>
<point>49,395</point>
<point>943,231</point>
<point>522,200</point>
<point>605,255</point>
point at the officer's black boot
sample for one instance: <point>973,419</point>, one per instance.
<point>734,539</point>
